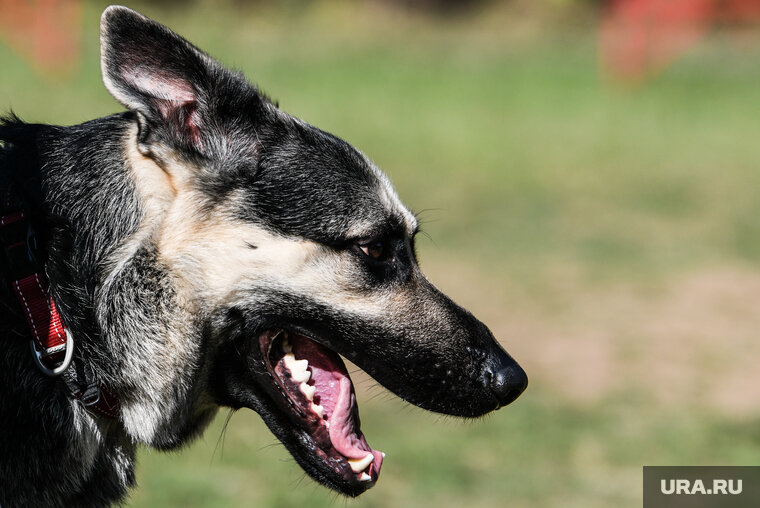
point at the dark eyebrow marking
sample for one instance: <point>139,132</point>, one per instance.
<point>250,245</point>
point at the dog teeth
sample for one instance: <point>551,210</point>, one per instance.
<point>359,465</point>
<point>319,410</point>
<point>297,368</point>
<point>299,372</point>
<point>307,390</point>
<point>365,478</point>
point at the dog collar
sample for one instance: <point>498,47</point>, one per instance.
<point>51,343</point>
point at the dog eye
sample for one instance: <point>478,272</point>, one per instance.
<point>375,250</point>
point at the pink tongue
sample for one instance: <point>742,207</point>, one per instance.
<point>342,435</point>
<point>333,386</point>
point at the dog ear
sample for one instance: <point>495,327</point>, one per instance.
<point>158,74</point>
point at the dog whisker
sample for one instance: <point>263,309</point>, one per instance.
<point>222,435</point>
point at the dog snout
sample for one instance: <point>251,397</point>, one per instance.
<point>505,379</point>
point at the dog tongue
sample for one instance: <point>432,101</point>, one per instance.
<point>342,433</point>
<point>335,391</point>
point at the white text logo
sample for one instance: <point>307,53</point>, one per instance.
<point>698,487</point>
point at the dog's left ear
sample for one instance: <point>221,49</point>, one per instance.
<point>158,74</point>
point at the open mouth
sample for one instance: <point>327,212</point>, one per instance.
<point>313,388</point>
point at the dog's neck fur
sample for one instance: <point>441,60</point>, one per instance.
<point>58,453</point>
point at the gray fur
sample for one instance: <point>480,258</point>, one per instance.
<point>176,236</point>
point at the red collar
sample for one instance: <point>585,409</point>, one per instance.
<point>52,344</point>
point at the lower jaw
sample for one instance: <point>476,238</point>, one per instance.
<point>333,426</point>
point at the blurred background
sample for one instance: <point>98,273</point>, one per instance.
<point>587,175</point>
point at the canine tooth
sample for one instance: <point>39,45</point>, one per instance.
<point>307,390</point>
<point>359,465</point>
<point>365,478</point>
<point>319,410</point>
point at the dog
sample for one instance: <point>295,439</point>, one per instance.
<point>205,249</point>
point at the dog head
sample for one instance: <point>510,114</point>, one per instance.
<point>294,250</point>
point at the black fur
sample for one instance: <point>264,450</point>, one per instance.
<point>171,348</point>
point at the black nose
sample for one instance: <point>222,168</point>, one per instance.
<point>507,382</point>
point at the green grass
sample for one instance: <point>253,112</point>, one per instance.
<point>540,452</point>
<point>523,164</point>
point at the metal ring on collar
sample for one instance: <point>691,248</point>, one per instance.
<point>61,368</point>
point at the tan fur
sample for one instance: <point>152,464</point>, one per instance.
<point>168,349</point>
<point>209,251</point>
<point>213,256</point>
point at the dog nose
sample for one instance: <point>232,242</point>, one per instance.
<point>507,382</point>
